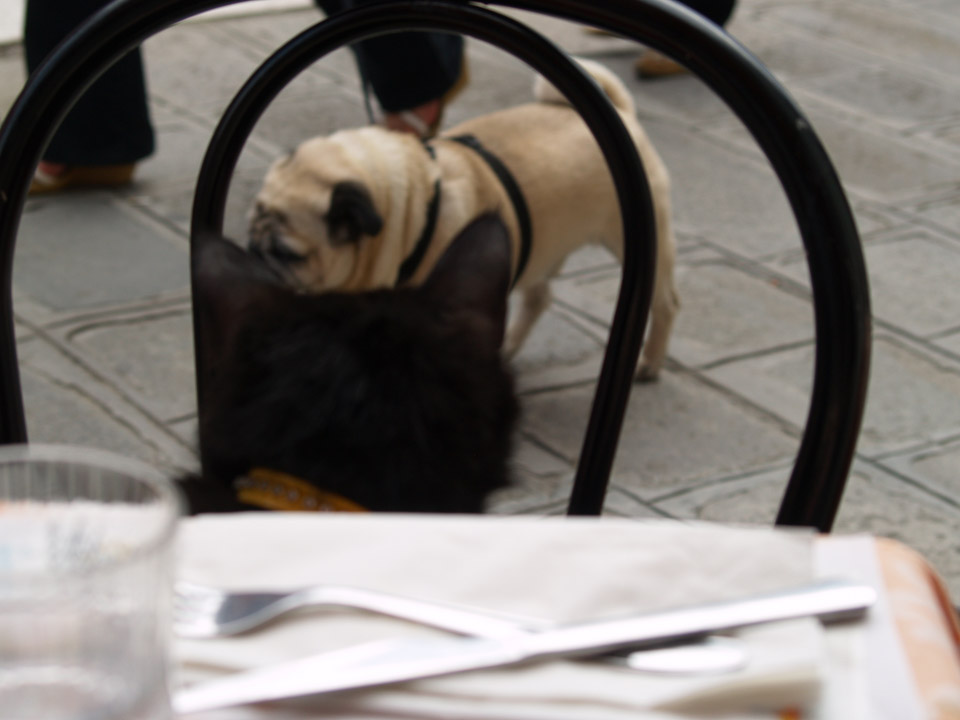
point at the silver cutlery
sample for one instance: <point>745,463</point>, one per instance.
<point>205,612</point>
<point>400,660</point>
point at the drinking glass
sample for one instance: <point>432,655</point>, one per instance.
<point>86,542</point>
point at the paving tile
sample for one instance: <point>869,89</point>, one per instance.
<point>589,258</point>
<point>175,203</point>
<point>950,342</point>
<point>879,504</point>
<point>676,432</point>
<point>66,403</point>
<point>530,459</point>
<point>291,120</point>
<point>553,377</point>
<point>269,31</point>
<point>555,343</point>
<point>684,99</point>
<point>21,332</point>
<point>794,60</point>
<point>185,431</point>
<point>53,414</point>
<point>902,97</point>
<point>912,280</point>
<point>945,211</point>
<point>875,163</point>
<point>151,356</point>
<point>779,382</point>
<point>525,500</point>
<point>874,502</point>
<point>621,504</point>
<point>911,398</point>
<point>84,250</point>
<point>908,38</point>
<point>733,201</point>
<point>753,499</point>
<point>26,309</point>
<point>724,312</point>
<point>12,76</point>
<point>871,162</point>
<point>541,480</point>
<point>182,143</point>
<point>948,132</point>
<point>571,36</point>
<point>185,66</point>
<point>11,21</point>
<point>592,295</point>
<point>727,313</point>
<point>532,494</point>
<point>268,35</point>
<point>872,219</point>
<point>199,67</point>
<point>935,467</point>
<point>944,6</point>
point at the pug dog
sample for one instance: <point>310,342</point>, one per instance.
<point>368,207</point>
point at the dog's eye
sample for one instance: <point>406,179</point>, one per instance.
<point>265,217</point>
<point>284,254</point>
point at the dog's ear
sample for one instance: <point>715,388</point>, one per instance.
<point>474,275</point>
<point>351,214</point>
<point>229,284</point>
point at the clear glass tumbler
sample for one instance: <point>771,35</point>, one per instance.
<point>86,574</point>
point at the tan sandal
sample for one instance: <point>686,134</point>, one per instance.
<point>591,30</point>
<point>81,176</point>
<point>652,64</point>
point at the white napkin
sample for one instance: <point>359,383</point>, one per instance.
<point>563,569</point>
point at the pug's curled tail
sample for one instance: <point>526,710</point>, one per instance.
<point>611,85</point>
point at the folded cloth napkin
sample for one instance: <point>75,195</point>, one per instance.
<point>562,569</point>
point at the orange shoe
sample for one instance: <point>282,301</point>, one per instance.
<point>80,176</point>
<point>652,64</point>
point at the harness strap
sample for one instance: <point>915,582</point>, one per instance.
<point>513,191</point>
<point>409,266</point>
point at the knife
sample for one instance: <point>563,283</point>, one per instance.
<point>403,659</point>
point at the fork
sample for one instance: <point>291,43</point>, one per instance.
<point>206,612</point>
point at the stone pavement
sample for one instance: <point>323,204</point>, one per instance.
<point>102,281</point>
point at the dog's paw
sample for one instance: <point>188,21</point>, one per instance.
<point>511,344</point>
<point>647,372</point>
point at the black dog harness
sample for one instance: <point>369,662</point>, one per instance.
<point>412,262</point>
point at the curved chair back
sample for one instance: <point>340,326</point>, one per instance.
<point>839,283</point>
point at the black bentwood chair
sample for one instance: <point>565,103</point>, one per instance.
<point>840,292</point>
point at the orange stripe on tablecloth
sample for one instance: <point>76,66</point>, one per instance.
<point>926,624</point>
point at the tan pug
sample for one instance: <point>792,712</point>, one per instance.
<point>366,208</point>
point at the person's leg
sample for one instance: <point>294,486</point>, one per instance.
<point>717,10</point>
<point>410,73</point>
<point>110,124</point>
<point>408,69</point>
